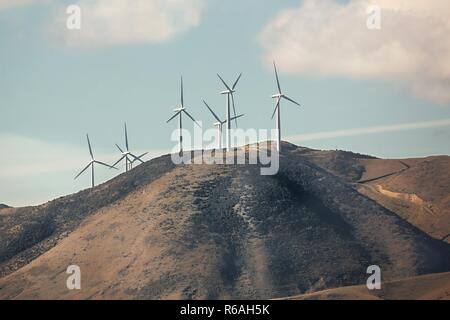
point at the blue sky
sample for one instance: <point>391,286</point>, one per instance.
<point>53,93</point>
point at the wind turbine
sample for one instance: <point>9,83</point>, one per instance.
<point>229,94</point>
<point>127,155</point>
<point>179,112</point>
<point>219,125</point>
<point>92,163</point>
<point>137,159</point>
<point>279,96</point>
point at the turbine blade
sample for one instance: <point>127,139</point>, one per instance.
<point>276,75</point>
<point>138,158</point>
<point>90,148</point>
<point>121,158</point>
<point>126,137</point>
<point>120,149</point>
<point>173,116</point>
<point>132,156</point>
<point>143,155</point>
<point>182,99</point>
<point>104,164</point>
<point>224,83</point>
<point>236,82</point>
<point>83,171</point>
<point>187,113</point>
<point>276,107</point>
<point>215,116</point>
<point>241,115</point>
<point>234,109</point>
<point>287,98</point>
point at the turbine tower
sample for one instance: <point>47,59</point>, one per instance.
<point>92,163</point>
<point>127,155</point>
<point>219,124</point>
<point>229,92</point>
<point>179,112</point>
<point>279,96</point>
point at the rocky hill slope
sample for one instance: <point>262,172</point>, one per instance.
<point>212,231</point>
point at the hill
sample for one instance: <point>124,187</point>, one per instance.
<point>213,231</point>
<point>416,189</point>
<point>427,287</point>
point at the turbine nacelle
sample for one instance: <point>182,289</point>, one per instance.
<point>179,109</point>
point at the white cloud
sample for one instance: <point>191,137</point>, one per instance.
<point>369,130</point>
<point>327,38</point>
<point>6,4</point>
<point>115,22</point>
<point>28,156</point>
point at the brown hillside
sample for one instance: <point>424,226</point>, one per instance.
<point>416,189</point>
<point>211,231</point>
<point>427,287</point>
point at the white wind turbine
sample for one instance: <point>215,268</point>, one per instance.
<point>139,158</point>
<point>179,112</point>
<point>229,94</point>
<point>279,96</point>
<point>92,163</point>
<point>219,124</point>
<point>129,157</point>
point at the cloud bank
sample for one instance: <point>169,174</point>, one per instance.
<point>7,4</point>
<point>28,156</point>
<point>116,22</point>
<point>331,39</point>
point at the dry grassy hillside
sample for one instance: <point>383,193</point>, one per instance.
<point>211,231</point>
<point>26,233</point>
<point>420,192</point>
<point>427,287</point>
<point>416,189</point>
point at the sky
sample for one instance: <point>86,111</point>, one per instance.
<point>379,90</point>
